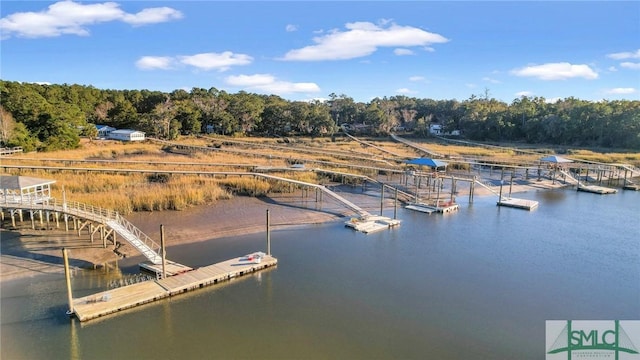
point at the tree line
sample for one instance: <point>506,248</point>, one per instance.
<point>52,117</point>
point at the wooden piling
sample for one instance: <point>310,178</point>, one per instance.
<point>164,255</point>
<point>67,275</point>
<point>268,234</point>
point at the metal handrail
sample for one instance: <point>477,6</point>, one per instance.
<point>90,212</point>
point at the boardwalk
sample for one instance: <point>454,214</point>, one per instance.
<point>127,297</point>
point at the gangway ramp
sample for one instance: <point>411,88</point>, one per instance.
<point>416,146</point>
<point>111,219</point>
<point>138,240</point>
<point>357,209</point>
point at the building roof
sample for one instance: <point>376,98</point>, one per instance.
<point>555,159</point>
<point>12,182</point>
<point>99,127</point>
<point>126,131</point>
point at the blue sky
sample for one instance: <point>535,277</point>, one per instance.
<point>309,49</point>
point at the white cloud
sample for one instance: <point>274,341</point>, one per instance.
<point>219,61</point>
<point>270,84</point>
<point>404,91</point>
<point>68,17</point>
<point>625,55</point>
<point>612,69</point>
<point>291,28</point>
<point>429,49</point>
<point>524,93</point>
<point>491,80</point>
<point>362,39</point>
<point>556,71</point>
<point>152,16</point>
<point>155,62</point>
<point>417,78</point>
<point>42,83</point>
<point>205,61</point>
<point>552,100</point>
<point>621,91</point>
<point>630,65</point>
<point>471,85</point>
<point>403,52</point>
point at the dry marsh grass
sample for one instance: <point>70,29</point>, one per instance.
<point>152,192</point>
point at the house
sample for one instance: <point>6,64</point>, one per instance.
<point>104,131</point>
<point>435,129</point>
<point>438,129</point>
<point>126,135</point>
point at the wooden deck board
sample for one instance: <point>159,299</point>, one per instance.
<point>111,301</point>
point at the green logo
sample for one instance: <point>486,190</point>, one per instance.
<point>583,339</point>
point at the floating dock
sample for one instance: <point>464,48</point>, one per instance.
<point>371,224</point>
<point>429,209</point>
<point>597,189</point>
<point>171,267</point>
<point>635,187</point>
<point>126,297</point>
<point>518,203</point>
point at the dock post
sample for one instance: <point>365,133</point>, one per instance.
<point>164,257</point>
<point>511,182</point>
<point>67,276</point>
<point>501,180</point>
<point>453,189</point>
<point>395,204</point>
<point>625,178</point>
<point>268,235</point>
<point>472,187</point>
<point>381,199</point>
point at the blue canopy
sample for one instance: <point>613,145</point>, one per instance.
<point>427,162</point>
<point>555,159</point>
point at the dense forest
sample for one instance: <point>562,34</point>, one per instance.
<point>52,117</point>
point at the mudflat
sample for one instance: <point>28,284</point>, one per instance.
<point>26,252</point>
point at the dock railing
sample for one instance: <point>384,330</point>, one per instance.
<point>111,218</point>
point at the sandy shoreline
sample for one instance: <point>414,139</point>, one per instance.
<point>26,252</point>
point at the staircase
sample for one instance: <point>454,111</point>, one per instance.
<point>137,239</point>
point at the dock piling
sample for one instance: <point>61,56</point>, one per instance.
<point>67,276</point>
<point>164,255</point>
<point>268,234</point>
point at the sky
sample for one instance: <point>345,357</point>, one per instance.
<point>304,50</point>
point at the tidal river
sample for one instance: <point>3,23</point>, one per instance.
<point>476,284</point>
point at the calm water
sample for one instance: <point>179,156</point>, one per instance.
<point>477,284</point>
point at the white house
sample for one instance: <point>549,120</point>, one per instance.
<point>104,130</point>
<point>435,129</point>
<point>127,135</point>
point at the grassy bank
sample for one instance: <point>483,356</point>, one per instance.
<point>155,192</point>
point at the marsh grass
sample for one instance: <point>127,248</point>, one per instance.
<point>155,192</point>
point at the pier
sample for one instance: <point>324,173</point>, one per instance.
<point>597,189</point>
<point>130,296</point>
<point>518,203</point>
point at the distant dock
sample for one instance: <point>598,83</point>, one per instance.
<point>372,223</point>
<point>429,209</point>
<point>518,203</point>
<point>597,189</point>
<point>127,297</point>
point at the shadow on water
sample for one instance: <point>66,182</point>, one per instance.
<point>13,245</point>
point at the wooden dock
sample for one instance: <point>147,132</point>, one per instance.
<point>518,203</point>
<point>597,189</point>
<point>172,268</point>
<point>372,223</point>
<point>126,297</point>
<point>634,187</point>
<point>425,208</point>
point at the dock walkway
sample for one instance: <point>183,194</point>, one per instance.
<point>126,297</point>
